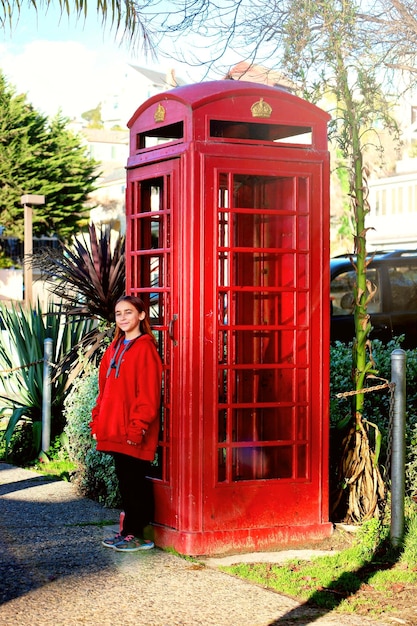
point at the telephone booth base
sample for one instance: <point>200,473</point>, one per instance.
<point>238,540</point>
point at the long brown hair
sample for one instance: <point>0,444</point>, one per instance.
<point>144,325</point>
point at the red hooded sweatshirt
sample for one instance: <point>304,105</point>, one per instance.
<point>127,406</point>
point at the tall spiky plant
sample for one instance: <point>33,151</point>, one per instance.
<point>89,277</point>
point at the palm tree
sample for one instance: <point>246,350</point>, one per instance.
<point>125,16</point>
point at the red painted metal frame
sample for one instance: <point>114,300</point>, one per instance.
<point>235,255</point>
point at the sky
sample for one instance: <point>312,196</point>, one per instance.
<point>69,65</point>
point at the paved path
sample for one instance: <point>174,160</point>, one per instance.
<point>54,571</point>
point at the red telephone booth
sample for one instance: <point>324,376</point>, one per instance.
<point>227,243</point>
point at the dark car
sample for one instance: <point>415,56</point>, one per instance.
<point>393,309</point>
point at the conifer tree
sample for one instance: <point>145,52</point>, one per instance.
<point>41,156</point>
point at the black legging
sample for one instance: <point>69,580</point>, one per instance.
<point>136,492</point>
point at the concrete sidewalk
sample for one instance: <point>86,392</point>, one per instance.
<point>54,571</point>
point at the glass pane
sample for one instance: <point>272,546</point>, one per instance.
<point>259,230</point>
<point>222,417</point>
<point>222,386</point>
<point>342,293</point>
<point>221,465</point>
<point>263,192</point>
<point>262,424</point>
<point>155,307</point>
<point>259,463</point>
<point>261,269</point>
<point>403,281</point>
<point>251,386</point>
<point>257,347</point>
<point>150,235</point>
<point>301,461</point>
<point>301,423</point>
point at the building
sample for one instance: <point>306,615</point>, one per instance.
<point>135,85</point>
<point>392,221</point>
<point>393,216</point>
<point>110,146</point>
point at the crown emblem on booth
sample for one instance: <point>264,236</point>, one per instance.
<point>159,115</point>
<point>261,109</point>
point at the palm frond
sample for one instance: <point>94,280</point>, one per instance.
<point>89,278</point>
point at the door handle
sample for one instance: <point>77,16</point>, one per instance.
<point>171,329</point>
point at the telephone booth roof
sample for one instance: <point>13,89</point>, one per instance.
<point>230,101</point>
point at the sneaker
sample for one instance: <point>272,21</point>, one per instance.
<point>112,542</point>
<point>133,544</point>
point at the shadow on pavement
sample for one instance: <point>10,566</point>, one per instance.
<point>46,533</point>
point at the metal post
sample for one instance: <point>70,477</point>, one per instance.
<point>27,267</point>
<point>28,200</point>
<point>398,376</point>
<point>46,395</point>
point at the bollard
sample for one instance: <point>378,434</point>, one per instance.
<point>46,395</point>
<point>398,376</point>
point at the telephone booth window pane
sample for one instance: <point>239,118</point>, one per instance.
<point>303,233</point>
<point>258,131</point>
<point>222,465</point>
<point>281,462</point>
<point>301,462</point>
<point>276,309</point>
<point>302,348</point>
<point>222,356</point>
<point>263,192</point>
<point>156,308</point>
<point>302,309</point>
<point>302,423</point>
<point>302,272</point>
<point>263,385</point>
<point>222,387</point>
<point>223,307</point>
<point>262,424</point>
<point>262,462</point>
<point>248,463</point>
<point>222,425</point>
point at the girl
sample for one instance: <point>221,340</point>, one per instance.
<point>125,418</point>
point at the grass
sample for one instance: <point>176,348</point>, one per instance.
<point>53,468</point>
<point>369,578</point>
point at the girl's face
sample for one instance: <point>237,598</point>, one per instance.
<point>128,318</point>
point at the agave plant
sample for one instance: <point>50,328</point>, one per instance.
<point>89,277</point>
<point>22,365</point>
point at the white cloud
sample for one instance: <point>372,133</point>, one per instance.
<point>64,75</point>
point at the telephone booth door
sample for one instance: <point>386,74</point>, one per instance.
<point>262,373</point>
<point>149,272</point>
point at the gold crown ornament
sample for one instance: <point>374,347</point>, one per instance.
<point>160,112</point>
<point>261,109</point>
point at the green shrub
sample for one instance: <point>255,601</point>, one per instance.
<point>95,475</point>
<point>409,554</point>
<point>377,404</point>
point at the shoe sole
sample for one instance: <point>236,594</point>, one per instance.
<point>145,546</point>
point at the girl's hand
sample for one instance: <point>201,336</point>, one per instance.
<point>136,443</point>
